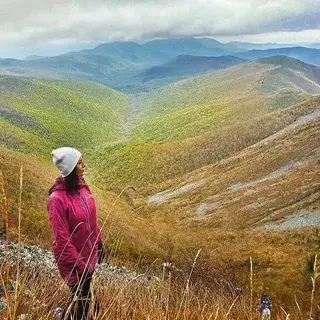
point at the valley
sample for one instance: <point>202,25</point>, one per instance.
<point>188,145</point>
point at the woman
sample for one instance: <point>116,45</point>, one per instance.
<point>77,242</point>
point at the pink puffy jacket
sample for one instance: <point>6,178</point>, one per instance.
<point>76,233</point>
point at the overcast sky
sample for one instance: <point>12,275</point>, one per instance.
<point>60,24</point>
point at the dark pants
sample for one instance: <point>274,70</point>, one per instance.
<point>80,306</point>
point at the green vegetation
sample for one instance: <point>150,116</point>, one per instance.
<point>209,127</point>
<point>184,123</point>
<point>40,114</point>
<point>146,165</point>
<point>199,121</point>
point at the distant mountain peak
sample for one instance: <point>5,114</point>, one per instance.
<point>285,61</point>
<point>34,57</point>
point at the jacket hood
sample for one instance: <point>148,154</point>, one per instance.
<point>59,185</point>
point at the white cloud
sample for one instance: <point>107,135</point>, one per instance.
<point>29,22</point>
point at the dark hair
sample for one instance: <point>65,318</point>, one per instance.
<point>71,181</point>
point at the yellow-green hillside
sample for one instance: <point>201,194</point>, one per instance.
<point>37,115</point>
<point>263,202</point>
<point>204,119</point>
<point>127,236</point>
<point>146,165</point>
<point>205,103</point>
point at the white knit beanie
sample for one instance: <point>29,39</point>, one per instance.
<point>65,159</point>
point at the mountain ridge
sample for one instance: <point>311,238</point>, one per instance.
<point>186,65</point>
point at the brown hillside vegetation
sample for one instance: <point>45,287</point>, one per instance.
<point>237,189</point>
<point>148,166</point>
<point>37,178</point>
<point>121,228</point>
<point>204,119</point>
<point>257,84</point>
<point>263,202</point>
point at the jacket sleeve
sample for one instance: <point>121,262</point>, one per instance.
<point>98,233</point>
<point>101,253</point>
<point>65,253</point>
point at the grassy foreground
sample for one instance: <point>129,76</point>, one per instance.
<point>36,295</point>
<point>197,291</point>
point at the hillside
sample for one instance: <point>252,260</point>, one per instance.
<point>225,162</point>
<point>307,55</point>
<point>125,234</point>
<point>282,182</point>
<point>34,57</point>
<point>132,67</point>
<point>94,67</point>
<point>185,65</point>
<point>113,64</point>
<point>196,105</point>
<point>189,46</point>
<point>263,202</point>
<point>249,187</point>
<point>253,46</point>
<point>182,130</point>
<point>38,115</point>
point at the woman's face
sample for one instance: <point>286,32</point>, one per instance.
<point>80,168</point>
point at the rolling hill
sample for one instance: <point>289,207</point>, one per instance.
<point>307,55</point>
<point>263,202</point>
<point>221,162</point>
<point>189,46</point>
<point>114,64</point>
<point>34,57</point>
<point>201,120</point>
<point>37,115</point>
<point>132,68</point>
<point>190,107</point>
<point>258,46</point>
<point>185,65</point>
<point>86,66</point>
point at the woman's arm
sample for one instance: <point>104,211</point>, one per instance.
<point>66,254</point>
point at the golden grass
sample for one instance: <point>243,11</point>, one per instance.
<point>150,166</point>
<point>38,294</point>
<point>201,292</point>
<point>4,210</point>
<point>137,235</point>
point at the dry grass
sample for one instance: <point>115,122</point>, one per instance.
<point>136,235</point>
<point>182,295</point>
<point>38,294</point>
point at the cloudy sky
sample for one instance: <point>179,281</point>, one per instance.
<point>58,25</point>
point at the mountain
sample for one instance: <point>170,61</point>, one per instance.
<point>114,64</point>
<point>186,65</point>
<point>87,66</point>
<point>34,57</point>
<point>127,51</point>
<point>228,159</point>
<point>307,55</point>
<point>261,46</point>
<point>276,178</point>
<point>131,67</point>
<point>189,46</point>
<point>260,202</point>
<point>262,85</point>
<point>38,115</point>
<point>200,120</point>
